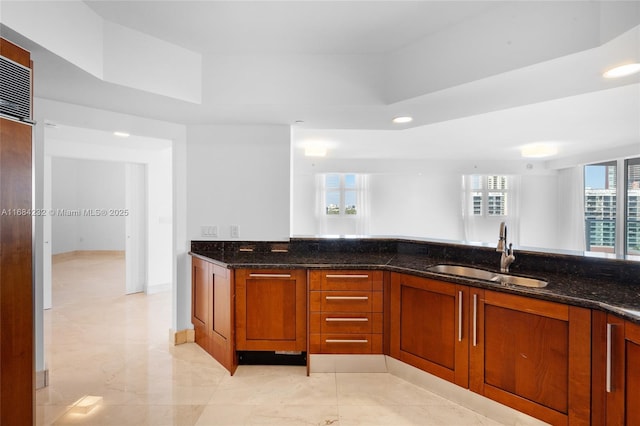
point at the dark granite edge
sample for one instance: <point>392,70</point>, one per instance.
<point>571,281</point>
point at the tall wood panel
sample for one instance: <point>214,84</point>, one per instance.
<point>17,372</point>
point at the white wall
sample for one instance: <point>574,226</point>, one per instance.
<point>238,175</point>
<point>424,204</point>
<point>539,211</point>
<point>416,198</point>
<point>87,184</point>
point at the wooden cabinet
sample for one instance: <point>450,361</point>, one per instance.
<point>17,366</point>
<point>271,310</point>
<point>616,371</point>
<point>345,312</point>
<point>429,326</point>
<point>212,311</point>
<point>532,355</point>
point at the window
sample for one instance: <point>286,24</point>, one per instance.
<point>489,195</point>
<point>600,205</point>
<point>341,194</point>
<point>610,227</point>
<point>632,213</point>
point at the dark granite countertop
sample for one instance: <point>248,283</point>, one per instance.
<point>609,286</point>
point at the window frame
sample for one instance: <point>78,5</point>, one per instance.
<point>342,189</point>
<point>621,222</point>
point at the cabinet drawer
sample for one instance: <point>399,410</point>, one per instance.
<point>345,343</point>
<point>346,301</point>
<point>345,280</point>
<point>345,322</point>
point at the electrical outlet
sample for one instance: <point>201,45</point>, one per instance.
<point>235,231</point>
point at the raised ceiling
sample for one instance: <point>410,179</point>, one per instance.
<point>357,64</point>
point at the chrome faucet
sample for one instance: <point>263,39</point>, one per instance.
<point>507,257</point>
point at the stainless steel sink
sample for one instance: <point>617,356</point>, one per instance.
<point>518,280</point>
<point>464,271</point>
<point>483,274</point>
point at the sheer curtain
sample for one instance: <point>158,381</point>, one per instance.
<point>362,200</point>
<point>343,224</point>
<point>321,216</point>
<point>571,226</point>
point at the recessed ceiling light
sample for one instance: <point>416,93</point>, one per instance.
<point>622,71</point>
<point>403,119</point>
<point>538,150</point>
<point>121,134</point>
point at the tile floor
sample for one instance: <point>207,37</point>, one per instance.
<point>100,342</point>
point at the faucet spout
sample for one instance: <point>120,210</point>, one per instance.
<point>507,257</point>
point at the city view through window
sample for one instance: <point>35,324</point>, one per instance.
<point>602,194</point>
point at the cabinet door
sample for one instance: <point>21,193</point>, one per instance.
<point>211,311</point>
<point>200,306</point>
<point>221,314</point>
<point>621,371</point>
<point>632,374</point>
<point>429,326</point>
<point>271,310</point>
<point>532,355</point>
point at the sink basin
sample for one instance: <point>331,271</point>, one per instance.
<point>483,274</point>
<point>465,271</point>
<point>517,280</point>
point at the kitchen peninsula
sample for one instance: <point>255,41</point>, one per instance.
<point>556,353</point>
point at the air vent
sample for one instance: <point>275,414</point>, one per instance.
<point>15,89</point>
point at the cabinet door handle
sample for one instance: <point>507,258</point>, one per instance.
<point>346,341</point>
<point>609,378</point>
<point>460,316</point>
<point>475,320</point>
<point>252,275</point>
<point>346,319</point>
<point>347,276</point>
<point>347,297</point>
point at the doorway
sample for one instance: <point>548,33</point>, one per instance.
<point>115,196</point>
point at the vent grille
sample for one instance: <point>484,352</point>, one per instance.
<point>15,89</point>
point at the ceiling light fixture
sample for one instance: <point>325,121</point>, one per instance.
<point>315,151</point>
<point>402,120</point>
<point>538,150</point>
<point>622,70</point>
<point>121,134</point>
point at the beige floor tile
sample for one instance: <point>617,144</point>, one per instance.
<point>293,415</point>
<point>381,388</point>
<point>99,341</point>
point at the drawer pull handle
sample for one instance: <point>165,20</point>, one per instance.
<point>252,275</point>
<point>346,319</point>
<point>347,297</point>
<point>347,276</point>
<point>346,341</point>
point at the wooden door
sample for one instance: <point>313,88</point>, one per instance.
<point>532,355</point>
<point>429,326</point>
<point>271,310</point>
